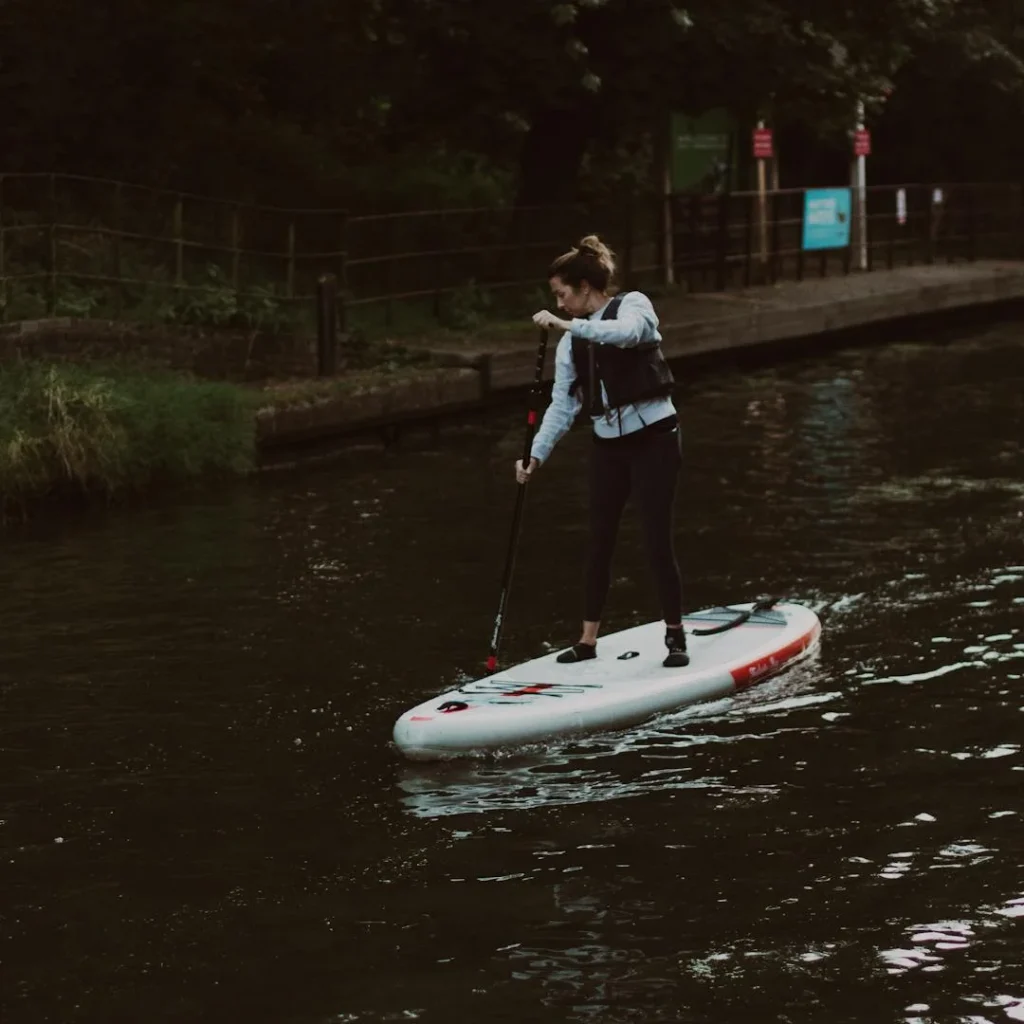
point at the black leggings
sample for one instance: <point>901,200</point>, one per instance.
<point>645,464</point>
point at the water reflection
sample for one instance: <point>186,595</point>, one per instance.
<point>662,755</point>
<point>203,819</point>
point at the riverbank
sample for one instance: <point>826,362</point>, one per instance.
<point>472,370</point>
<point>70,431</point>
<point>111,427</point>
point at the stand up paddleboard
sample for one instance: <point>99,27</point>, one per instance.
<point>730,649</point>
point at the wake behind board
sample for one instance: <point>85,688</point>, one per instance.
<point>730,649</point>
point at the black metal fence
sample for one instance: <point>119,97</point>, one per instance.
<point>720,242</point>
<point>95,247</point>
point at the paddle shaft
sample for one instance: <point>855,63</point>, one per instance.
<point>513,540</point>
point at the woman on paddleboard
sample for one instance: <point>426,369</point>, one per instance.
<point>609,361</point>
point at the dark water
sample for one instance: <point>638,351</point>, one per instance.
<point>202,819</point>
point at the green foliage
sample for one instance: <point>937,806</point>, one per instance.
<point>425,177</point>
<point>466,308</point>
<point>114,428</point>
<point>215,303</point>
<point>395,104</point>
<point>22,300</point>
<point>360,352</point>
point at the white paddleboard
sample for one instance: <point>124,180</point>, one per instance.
<point>625,684</point>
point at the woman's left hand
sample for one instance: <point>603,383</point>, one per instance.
<point>545,318</point>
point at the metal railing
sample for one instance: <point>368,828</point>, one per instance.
<point>74,245</point>
<point>718,238</point>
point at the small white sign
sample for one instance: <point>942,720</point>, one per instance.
<point>901,206</point>
<point>937,197</point>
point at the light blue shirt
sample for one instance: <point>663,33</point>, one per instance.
<point>636,324</point>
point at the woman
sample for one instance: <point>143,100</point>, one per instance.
<point>610,356</point>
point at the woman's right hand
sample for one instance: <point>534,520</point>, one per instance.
<point>523,475</point>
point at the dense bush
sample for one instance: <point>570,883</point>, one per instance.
<point>114,428</point>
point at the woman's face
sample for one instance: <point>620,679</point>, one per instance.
<point>573,300</point>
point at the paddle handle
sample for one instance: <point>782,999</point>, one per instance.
<point>513,541</point>
<point>531,416</point>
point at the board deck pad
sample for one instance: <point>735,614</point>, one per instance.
<point>626,683</point>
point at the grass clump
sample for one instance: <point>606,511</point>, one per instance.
<point>105,429</point>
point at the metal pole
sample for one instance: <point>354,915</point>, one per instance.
<point>862,195</point>
<point>762,210</point>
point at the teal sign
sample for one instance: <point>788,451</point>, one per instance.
<point>826,218</point>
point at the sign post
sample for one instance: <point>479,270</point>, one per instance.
<point>763,150</point>
<point>861,151</point>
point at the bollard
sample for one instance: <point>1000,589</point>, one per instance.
<point>327,324</point>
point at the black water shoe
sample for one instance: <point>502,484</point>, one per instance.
<point>675,641</point>
<point>578,652</point>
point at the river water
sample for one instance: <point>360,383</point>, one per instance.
<point>202,819</point>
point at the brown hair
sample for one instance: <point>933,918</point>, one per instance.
<point>591,261</point>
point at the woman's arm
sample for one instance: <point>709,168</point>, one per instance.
<point>636,323</point>
<point>561,413</point>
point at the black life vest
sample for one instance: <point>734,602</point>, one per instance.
<point>629,374</point>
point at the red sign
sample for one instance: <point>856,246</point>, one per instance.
<point>862,142</point>
<point>763,144</point>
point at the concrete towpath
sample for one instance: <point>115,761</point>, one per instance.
<point>468,371</point>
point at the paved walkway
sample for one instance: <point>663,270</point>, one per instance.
<point>491,360</point>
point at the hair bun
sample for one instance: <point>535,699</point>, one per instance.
<point>589,260</point>
<point>592,246</point>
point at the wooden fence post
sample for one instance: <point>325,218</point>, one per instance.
<point>235,242</point>
<point>628,236</point>
<point>775,263</point>
<point>929,224</point>
<point>748,242</point>
<point>343,273</point>
<point>51,299</point>
<point>290,287</point>
<point>972,224</point>
<point>115,250</point>
<point>1020,226</point>
<point>800,238</point>
<point>3,261</point>
<point>722,256</point>
<point>327,324</point>
<point>179,242</point>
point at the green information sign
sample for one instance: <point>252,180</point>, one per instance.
<point>699,149</point>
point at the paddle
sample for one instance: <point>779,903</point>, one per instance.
<point>761,606</point>
<point>513,541</point>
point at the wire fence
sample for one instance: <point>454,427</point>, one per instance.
<point>90,247</point>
